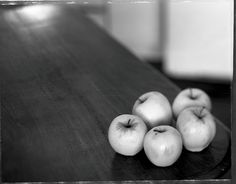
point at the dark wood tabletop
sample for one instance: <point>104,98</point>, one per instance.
<point>63,80</point>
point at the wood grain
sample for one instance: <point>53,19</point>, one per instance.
<point>63,80</point>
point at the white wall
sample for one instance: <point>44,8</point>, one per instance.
<point>200,38</point>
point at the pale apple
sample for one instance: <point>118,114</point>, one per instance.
<point>197,127</point>
<point>154,108</point>
<point>163,145</point>
<point>126,133</point>
<point>190,97</point>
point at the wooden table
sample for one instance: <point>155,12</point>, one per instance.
<point>63,81</point>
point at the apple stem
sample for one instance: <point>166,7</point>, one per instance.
<point>203,107</point>
<point>141,100</point>
<point>199,113</point>
<point>191,93</point>
<point>129,121</point>
<point>158,130</point>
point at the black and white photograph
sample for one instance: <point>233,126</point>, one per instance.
<point>117,91</point>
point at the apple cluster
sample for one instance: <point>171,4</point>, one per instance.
<point>162,129</point>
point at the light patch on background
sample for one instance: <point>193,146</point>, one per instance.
<point>38,12</point>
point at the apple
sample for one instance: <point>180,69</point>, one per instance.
<point>163,145</point>
<point>154,108</point>
<point>190,97</point>
<point>126,133</point>
<point>197,127</point>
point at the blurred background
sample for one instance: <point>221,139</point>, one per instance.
<point>192,38</point>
